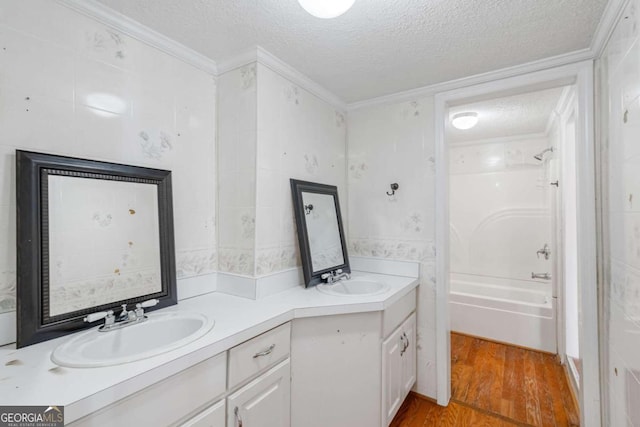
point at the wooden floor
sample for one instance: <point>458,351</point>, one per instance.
<point>496,385</point>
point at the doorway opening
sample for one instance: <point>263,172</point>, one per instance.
<point>515,247</point>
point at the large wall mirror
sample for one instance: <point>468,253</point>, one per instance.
<point>91,237</point>
<point>321,237</point>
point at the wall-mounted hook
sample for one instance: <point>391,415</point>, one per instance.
<point>394,187</point>
<point>307,209</point>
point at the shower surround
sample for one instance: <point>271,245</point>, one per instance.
<point>500,216</point>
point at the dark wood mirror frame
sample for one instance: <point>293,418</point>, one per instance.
<point>312,278</point>
<point>32,171</point>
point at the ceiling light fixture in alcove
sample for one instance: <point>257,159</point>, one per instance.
<point>326,9</point>
<point>465,120</point>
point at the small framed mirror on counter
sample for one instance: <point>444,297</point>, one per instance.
<point>323,246</point>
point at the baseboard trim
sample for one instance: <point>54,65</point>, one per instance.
<point>422,397</point>
<point>573,387</point>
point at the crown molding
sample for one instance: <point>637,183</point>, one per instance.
<point>275,64</point>
<point>606,25</point>
<point>612,13</point>
<point>240,60</point>
<point>516,70</point>
<point>107,16</point>
<point>126,25</point>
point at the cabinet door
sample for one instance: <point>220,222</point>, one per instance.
<point>264,402</point>
<point>408,355</point>
<point>213,416</point>
<point>392,375</point>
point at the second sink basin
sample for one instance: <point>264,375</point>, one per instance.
<point>354,287</point>
<point>159,334</point>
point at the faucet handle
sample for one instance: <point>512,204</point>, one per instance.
<point>145,304</point>
<point>338,271</point>
<point>148,303</point>
<point>90,318</point>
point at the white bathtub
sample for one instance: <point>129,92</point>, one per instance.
<point>520,312</point>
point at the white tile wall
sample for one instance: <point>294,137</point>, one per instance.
<point>388,144</point>
<point>270,130</point>
<point>71,86</point>
<point>620,86</point>
<point>237,142</point>
<point>301,137</point>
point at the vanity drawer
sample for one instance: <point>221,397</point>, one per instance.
<point>165,402</point>
<point>254,356</point>
<point>400,310</point>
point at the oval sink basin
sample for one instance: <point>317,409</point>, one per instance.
<point>157,335</point>
<point>354,287</point>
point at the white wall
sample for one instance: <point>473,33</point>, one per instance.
<point>237,141</point>
<point>570,239</point>
<point>387,144</point>
<point>58,71</point>
<point>499,210</point>
<point>271,130</point>
<point>620,109</point>
<point>299,136</point>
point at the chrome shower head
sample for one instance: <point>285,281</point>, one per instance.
<point>540,155</point>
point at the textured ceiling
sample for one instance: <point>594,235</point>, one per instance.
<point>522,114</point>
<point>378,47</point>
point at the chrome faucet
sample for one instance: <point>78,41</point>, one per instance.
<point>543,276</point>
<point>125,317</point>
<point>334,276</point>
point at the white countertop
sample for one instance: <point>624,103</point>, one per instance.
<point>29,377</point>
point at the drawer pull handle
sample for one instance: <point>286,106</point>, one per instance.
<point>265,352</point>
<point>236,412</point>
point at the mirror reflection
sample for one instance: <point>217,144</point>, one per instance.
<point>91,236</point>
<point>104,242</point>
<point>322,227</point>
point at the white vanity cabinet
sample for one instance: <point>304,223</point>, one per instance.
<point>213,416</point>
<point>344,368</point>
<point>168,401</point>
<point>398,367</point>
<point>253,376</point>
<point>264,402</point>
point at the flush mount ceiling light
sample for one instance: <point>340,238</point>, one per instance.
<point>326,9</point>
<point>464,121</point>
